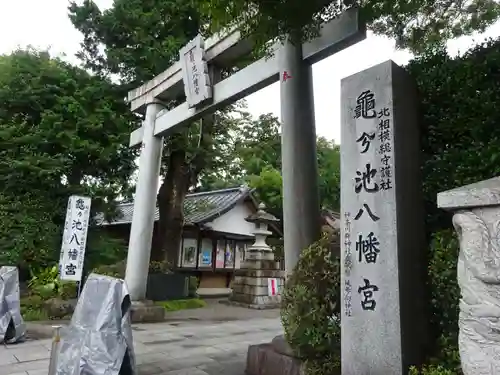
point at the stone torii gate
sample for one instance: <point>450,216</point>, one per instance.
<point>292,66</point>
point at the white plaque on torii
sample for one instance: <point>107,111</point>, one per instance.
<point>197,85</point>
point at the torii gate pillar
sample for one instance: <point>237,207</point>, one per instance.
<point>301,212</point>
<point>139,253</point>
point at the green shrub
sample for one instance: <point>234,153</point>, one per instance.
<point>459,143</point>
<point>448,354</point>
<point>31,302</point>
<point>445,296</point>
<point>182,304</point>
<point>46,284</point>
<point>113,270</point>
<point>160,267</point>
<point>44,292</point>
<point>310,311</point>
<point>459,135</point>
<point>67,290</point>
<point>430,370</point>
<point>29,232</point>
<point>46,278</point>
<point>328,365</point>
<point>102,246</point>
<point>32,308</point>
<point>118,269</point>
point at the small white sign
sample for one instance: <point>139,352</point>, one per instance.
<point>74,238</point>
<point>272,287</point>
<point>197,85</point>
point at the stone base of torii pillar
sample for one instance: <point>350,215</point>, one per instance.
<point>250,285</point>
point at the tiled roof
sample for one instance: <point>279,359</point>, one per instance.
<point>199,208</point>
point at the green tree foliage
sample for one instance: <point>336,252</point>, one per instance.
<point>268,185</point>
<point>62,132</point>
<point>258,143</point>
<point>328,154</point>
<point>253,156</point>
<point>137,40</point>
<point>460,141</point>
<point>416,24</point>
<point>460,136</point>
<point>28,233</point>
<point>444,299</point>
<point>140,38</point>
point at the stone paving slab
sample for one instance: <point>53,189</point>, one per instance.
<point>185,347</point>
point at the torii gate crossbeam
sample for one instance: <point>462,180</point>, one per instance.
<point>335,36</point>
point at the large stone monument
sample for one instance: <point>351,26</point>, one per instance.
<point>383,240</point>
<point>251,282</point>
<point>476,219</point>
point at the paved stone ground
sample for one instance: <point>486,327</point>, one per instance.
<point>208,341</point>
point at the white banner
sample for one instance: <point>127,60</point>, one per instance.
<point>74,238</point>
<point>272,287</point>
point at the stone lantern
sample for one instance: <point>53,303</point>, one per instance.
<point>260,250</point>
<point>259,282</point>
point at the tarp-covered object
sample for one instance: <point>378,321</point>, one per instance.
<point>98,340</point>
<point>12,327</point>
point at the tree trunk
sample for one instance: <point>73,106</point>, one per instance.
<point>170,203</point>
<point>181,173</point>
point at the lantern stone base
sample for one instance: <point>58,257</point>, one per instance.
<point>250,288</point>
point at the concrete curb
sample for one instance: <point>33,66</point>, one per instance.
<point>40,331</point>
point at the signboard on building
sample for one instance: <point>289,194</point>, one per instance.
<point>197,85</point>
<point>206,258</point>
<point>74,238</point>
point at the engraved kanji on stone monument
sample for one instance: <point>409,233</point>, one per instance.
<point>383,223</point>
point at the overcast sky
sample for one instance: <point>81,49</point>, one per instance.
<point>44,23</point>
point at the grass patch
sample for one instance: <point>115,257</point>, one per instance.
<point>34,315</point>
<point>182,304</point>
<point>32,309</point>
